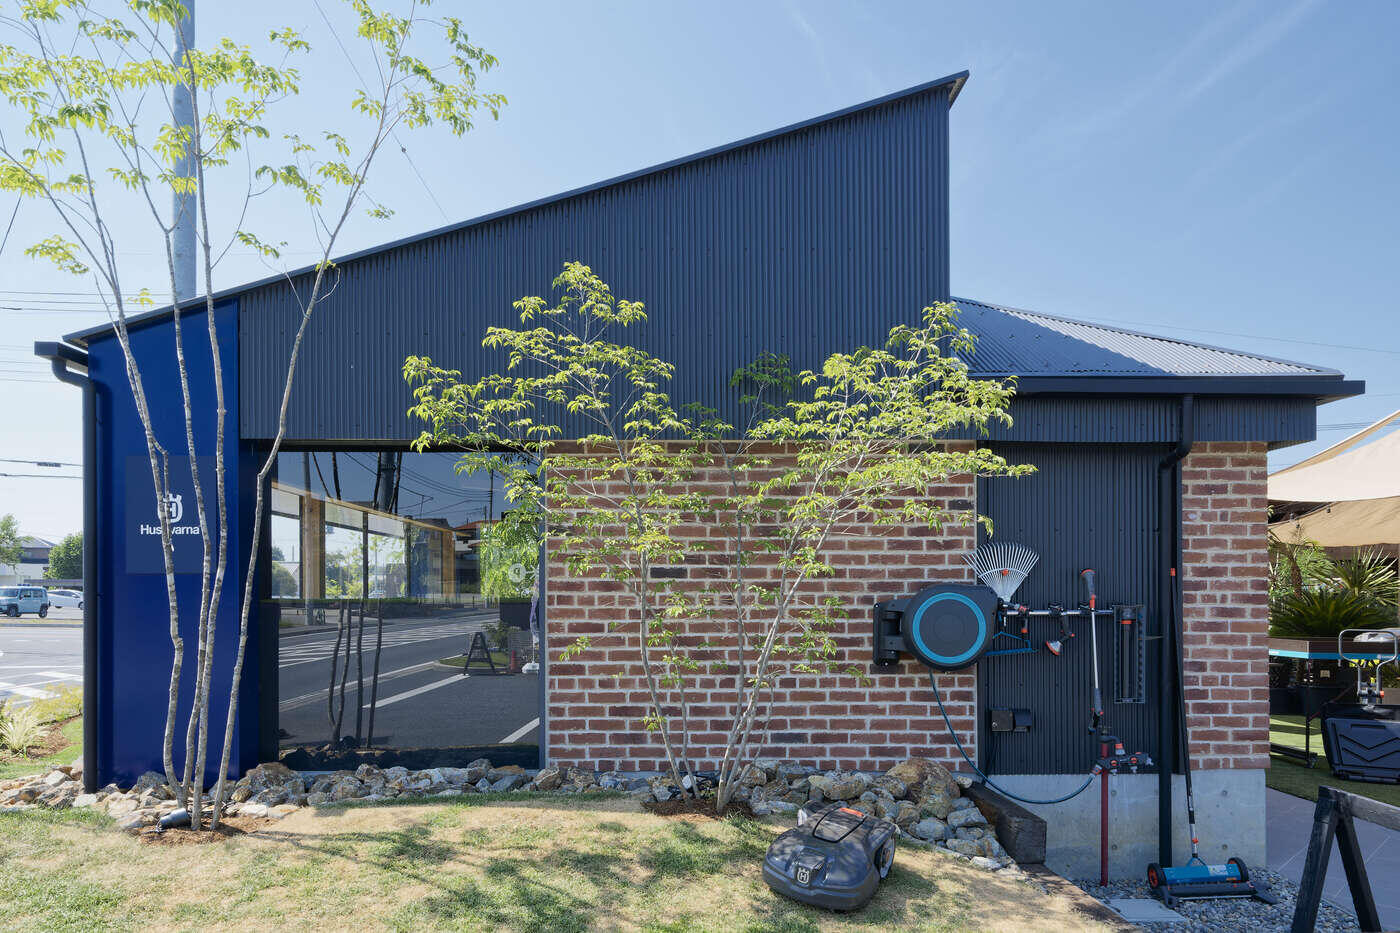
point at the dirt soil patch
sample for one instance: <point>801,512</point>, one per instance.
<point>537,863</point>
<point>229,828</point>
<point>691,806</point>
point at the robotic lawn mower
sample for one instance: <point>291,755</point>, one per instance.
<point>835,857</point>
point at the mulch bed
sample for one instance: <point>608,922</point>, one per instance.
<point>51,744</point>
<point>230,827</point>
<point>691,806</point>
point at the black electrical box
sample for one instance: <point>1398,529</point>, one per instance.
<point>1010,720</point>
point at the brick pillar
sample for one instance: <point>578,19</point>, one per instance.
<point>1225,596</point>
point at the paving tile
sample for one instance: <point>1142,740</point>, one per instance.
<point>1144,910</point>
<point>1290,829</point>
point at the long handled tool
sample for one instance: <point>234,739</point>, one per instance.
<point>1112,756</point>
<point>1196,878</point>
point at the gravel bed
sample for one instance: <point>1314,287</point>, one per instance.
<point>1232,913</point>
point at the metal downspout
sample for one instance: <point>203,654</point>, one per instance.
<point>59,356</point>
<point>1170,609</point>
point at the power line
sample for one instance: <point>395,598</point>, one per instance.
<point>42,463</point>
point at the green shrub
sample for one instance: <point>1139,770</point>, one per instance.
<point>1369,573</point>
<point>21,728</point>
<point>1325,613</point>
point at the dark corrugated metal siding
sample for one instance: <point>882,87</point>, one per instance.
<point>1084,507</point>
<point>1139,419</point>
<point>806,243</point>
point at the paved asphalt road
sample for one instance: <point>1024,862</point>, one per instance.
<point>35,660</point>
<point>419,704</point>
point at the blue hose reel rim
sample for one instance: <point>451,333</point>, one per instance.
<point>962,659</point>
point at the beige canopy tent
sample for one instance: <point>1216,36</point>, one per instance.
<point>1358,479</point>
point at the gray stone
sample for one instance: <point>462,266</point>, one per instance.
<point>549,779</point>
<point>85,800</point>
<point>318,799</point>
<point>496,774</point>
<point>986,864</point>
<point>120,806</point>
<point>483,785</point>
<point>55,778</point>
<point>509,781</point>
<point>966,816</point>
<point>792,772</point>
<point>846,785</point>
<point>253,809</point>
<point>753,776</point>
<point>347,788</point>
<point>962,803</point>
<point>891,786</point>
<point>782,806</point>
<point>932,829</point>
<point>935,801</point>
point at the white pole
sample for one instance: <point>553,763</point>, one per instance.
<point>184,202</point>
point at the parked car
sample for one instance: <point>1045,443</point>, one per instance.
<point>65,598</point>
<point>17,600</point>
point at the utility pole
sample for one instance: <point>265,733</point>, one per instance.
<point>182,109</point>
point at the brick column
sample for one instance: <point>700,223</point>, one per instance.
<point>1225,595</point>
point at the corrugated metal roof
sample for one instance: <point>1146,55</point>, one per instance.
<point>1012,341</point>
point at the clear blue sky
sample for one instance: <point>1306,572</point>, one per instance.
<point>1222,172</point>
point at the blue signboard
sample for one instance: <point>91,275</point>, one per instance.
<point>143,538</point>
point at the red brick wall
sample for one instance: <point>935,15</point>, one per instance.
<point>1225,591</point>
<point>596,699</point>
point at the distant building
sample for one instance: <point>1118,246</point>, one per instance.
<point>33,561</point>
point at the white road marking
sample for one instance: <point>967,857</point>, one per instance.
<point>314,695</point>
<point>29,692</point>
<point>518,734</point>
<point>456,678</point>
<point>292,651</point>
<point>59,675</point>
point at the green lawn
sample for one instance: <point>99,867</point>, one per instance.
<point>72,732</point>
<point>1292,777</point>
<point>500,658</point>
<point>529,862</point>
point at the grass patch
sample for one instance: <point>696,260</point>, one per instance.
<point>499,658</point>
<point>65,743</point>
<point>1293,777</point>
<point>529,863</point>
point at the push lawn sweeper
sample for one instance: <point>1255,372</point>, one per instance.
<point>1196,878</point>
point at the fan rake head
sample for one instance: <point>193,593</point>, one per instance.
<point>1002,566</point>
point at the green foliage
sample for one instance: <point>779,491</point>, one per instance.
<point>509,552</point>
<point>1295,565</point>
<point>1370,574</point>
<point>10,549</point>
<point>823,455</point>
<point>66,559</point>
<point>21,728</point>
<point>1324,613</point>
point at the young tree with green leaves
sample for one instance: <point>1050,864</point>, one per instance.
<point>66,559</point>
<point>10,550</point>
<point>612,471</point>
<point>614,486</point>
<point>95,86</point>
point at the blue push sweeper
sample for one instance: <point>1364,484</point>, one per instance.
<point>1196,878</point>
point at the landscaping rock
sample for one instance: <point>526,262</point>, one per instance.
<point>892,786</point>
<point>509,781</point>
<point>935,801</point>
<point>495,774</point>
<point>282,811</point>
<point>846,785</point>
<point>549,779</point>
<point>792,772</point>
<point>55,778</point>
<point>932,829</point>
<point>916,771</point>
<point>347,788</point>
<point>83,801</point>
<point>753,776</point>
<point>966,816</point>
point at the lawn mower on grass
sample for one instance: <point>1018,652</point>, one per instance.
<point>835,858</point>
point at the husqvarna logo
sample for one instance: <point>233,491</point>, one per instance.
<point>175,508</point>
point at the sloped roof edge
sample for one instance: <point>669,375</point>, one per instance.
<point>954,82</point>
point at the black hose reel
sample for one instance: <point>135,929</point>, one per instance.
<point>947,626</point>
